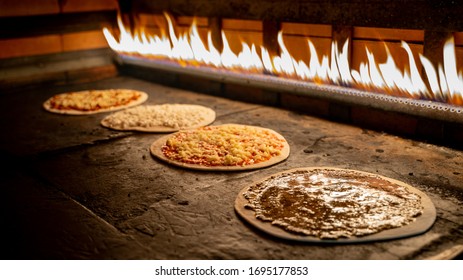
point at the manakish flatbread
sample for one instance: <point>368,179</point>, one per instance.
<point>332,205</point>
<point>94,101</point>
<point>228,147</point>
<point>160,118</point>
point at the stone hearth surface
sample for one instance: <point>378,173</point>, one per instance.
<point>72,189</point>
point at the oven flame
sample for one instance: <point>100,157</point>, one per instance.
<point>444,84</point>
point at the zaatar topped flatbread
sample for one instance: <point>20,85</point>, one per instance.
<point>227,147</point>
<point>160,118</point>
<point>94,101</point>
<point>326,204</point>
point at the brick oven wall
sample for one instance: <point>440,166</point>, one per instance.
<point>54,41</point>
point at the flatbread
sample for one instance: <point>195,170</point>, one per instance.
<point>160,118</point>
<point>94,101</point>
<point>157,146</point>
<point>420,224</point>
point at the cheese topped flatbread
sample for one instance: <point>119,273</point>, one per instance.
<point>160,118</point>
<point>332,204</point>
<point>94,101</point>
<point>224,147</point>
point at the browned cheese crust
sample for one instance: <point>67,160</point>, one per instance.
<point>94,101</point>
<point>229,147</point>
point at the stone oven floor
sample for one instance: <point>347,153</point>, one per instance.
<point>72,189</point>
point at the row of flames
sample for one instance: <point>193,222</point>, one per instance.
<point>444,84</point>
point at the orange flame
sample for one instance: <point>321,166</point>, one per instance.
<point>444,84</point>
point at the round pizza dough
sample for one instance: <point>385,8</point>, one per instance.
<point>156,151</point>
<point>160,118</point>
<point>47,104</point>
<point>421,224</point>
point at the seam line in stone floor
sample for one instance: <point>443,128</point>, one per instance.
<point>51,153</point>
<point>30,158</point>
<point>30,170</point>
<point>115,229</point>
<point>50,185</point>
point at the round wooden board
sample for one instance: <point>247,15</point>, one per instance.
<point>419,226</point>
<point>209,115</point>
<point>142,99</point>
<point>158,144</point>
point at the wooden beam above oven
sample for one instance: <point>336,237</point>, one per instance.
<point>38,25</point>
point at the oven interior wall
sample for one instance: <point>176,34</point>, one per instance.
<point>54,41</point>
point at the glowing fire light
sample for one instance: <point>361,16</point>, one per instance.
<point>444,84</point>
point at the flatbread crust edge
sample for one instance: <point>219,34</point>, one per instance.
<point>47,106</point>
<point>422,223</point>
<point>210,118</point>
<point>156,151</point>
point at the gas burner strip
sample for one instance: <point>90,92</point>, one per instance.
<point>422,108</point>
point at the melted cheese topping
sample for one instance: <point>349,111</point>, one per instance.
<point>332,204</point>
<point>93,100</point>
<point>227,145</point>
<point>167,115</point>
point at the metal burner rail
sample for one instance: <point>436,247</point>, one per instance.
<point>422,108</point>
